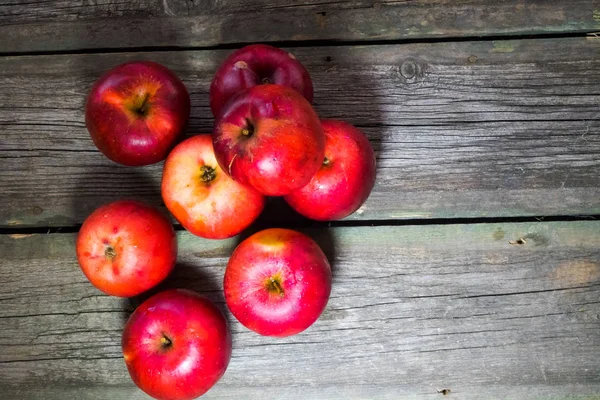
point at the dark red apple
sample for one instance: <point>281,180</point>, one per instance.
<point>126,247</point>
<point>176,345</point>
<point>277,282</point>
<point>255,65</point>
<point>345,179</point>
<point>136,112</point>
<point>269,138</point>
<point>202,197</point>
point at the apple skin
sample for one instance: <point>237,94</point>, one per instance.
<point>136,111</point>
<point>205,200</point>
<point>277,282</point>
<point>126,247</point>
<point>254,65</point>
<point>345,179</point>
<point>176,345</point>
<point>269,138</point>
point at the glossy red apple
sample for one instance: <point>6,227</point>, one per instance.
<point>205,200</point>
<point>269,138</point>
<point>176,345</point>
<point>277,282</point>
<point>136,112</point>
<point>345,179</point>
<point>255,65</point>
<point>126,247</point>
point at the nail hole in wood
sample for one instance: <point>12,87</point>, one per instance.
<point>518,241</point>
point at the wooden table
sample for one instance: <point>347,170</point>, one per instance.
<point>473,270</point>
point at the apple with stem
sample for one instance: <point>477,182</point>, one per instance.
<point>176,345</point>
<point>136,111</point>
<point>253,65</point>
<point>126,247</point>
<point>205,200</point>
<point>269,138</point>
<point>345,179</point>
<point>277,282</point>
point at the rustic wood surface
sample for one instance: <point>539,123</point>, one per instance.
<point>468,129</point>
<point>40,25</point>
<point>413,310</point>
<point>476,109</point>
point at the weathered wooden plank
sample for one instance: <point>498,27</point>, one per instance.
<point>470,129</point>
<point>413,310</point>
<point>467,392</point>
<point>65,25</point>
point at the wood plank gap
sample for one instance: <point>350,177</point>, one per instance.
<point>305,43</point>
<point>309,224</point>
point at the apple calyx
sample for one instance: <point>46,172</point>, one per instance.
<point>110,253</point>
<point>207,174</point>
<point>266,81</point>
<point>274,286</point>
<point>326,162</point>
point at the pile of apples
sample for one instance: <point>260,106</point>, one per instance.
<point>267,141</point>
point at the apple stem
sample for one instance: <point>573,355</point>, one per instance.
<point>142,107</point>
<point>165,342</point>
<point>275,286</point>
<point>266,81</point>
<point>248,130</point>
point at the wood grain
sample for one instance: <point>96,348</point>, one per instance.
<point>39,25</point>
<point>468,129</point>
<point>413,310</point>
<point>467,392</point>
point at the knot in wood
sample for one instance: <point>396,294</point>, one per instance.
<point>410,70</point>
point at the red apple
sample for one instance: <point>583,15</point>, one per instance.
<point>277,282</point>
<point>136,111</point>
<point>255,65</point>
<point>202,197</point>
<point>126,247</point>
<point>269,138</point>
<point>176,345</point>
<point>345,179</point>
